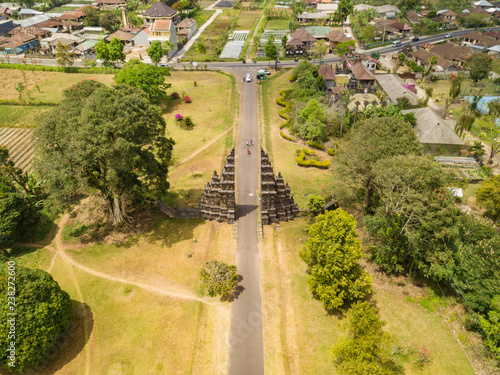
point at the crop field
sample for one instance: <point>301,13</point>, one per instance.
<point>247,19</point>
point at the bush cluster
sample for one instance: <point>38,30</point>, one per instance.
<point>331,152</point>
<point>316,145</point>
<point>281,101</point>
<point>23,103</point>
<point>301,160</point>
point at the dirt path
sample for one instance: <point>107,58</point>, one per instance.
<point>254,33</point>
<point>205,147</point>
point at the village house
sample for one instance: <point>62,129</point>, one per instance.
<point>306,17</point>
<point>477,39</point>
<point>4,13</point>
<point>328,75</point>
<point>335,37</point>
<point>163,30</point>
<point>306,38</point>
<point>160,11</point>
<point>403,28</point>
<point>294,47</point>
<point>20,43</point>
<point>125,38</point>
<point>186,28</point>
<point>413,16</point>
<point>110,4</point>
<point>363,76</point>
<point>423,57</point>
<point>452,52</point>
<point>393,87</point>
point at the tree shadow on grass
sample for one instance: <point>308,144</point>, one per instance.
<point>69,345</point>
<point>170,230</point>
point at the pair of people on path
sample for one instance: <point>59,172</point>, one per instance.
<point>251,143</point>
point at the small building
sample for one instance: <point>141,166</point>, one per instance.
<point>387,11</point>
<point>423,57</point>
<point>328,75</point>
<point>401,27</point>
<point>449,15</point>
<point>452,52</point>
<point>20,43</point>
<point>71,16</point>
<point>110,4</point>
<point>32,20</point>
<point>31,30</point>
<point>125,38</point>
<point>393,87</point>
<point>363,76</point>
<point>85,48</point>
<point>4,13</point>
<point>435,133</point>
<point>186,28</point>
<point>483,4</point>
<point>479,39</point>
<point>160,11</point>
<point>141,39</point>
<point>306,38</point>
<point>28,13</point>
<point>307,17</point>
<point>413,16</point>
<point>335,37</point>
<point>295,47</point>
<point>327,8</point>
<point>6,26</point>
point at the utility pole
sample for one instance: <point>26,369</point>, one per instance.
<point>383,35</point>
<point>209,50</point>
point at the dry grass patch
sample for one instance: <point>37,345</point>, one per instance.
<point>247,19</point>
<point>51,84</point>
<point>303,181</point>
<point>213,109</point>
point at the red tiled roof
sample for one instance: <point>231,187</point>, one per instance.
<point>337,36</point>
<point>327,72</point>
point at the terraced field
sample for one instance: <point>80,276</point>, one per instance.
<point>18,142</point>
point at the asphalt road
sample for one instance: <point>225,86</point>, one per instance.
<point>246,353</point>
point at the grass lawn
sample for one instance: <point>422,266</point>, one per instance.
<point>342,79</point>
<point>278,25</point>
<point>213,109</point>
<point>15,116</point>
<point>303,181</point>
<point>496,66</point>
<point>441,88</point>
<point>51,84</point>
<point>247,19</point>
<point>219,31</point>
<point>202,16</point>
<point>298,333</point>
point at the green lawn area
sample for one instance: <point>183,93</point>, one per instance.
<point>341,79</point>
<point>219,31</point>
<point>303,181</point>
<point>496,66</point>
<point>202,16</point>
<point>16,116</point>
<point>247,19</point>
<point>441,88</point>
<point>298,333</point>
<point>213,109</point>
<point>278,25</point>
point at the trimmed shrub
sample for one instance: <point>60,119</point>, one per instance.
<point>301,161</point>
<point>175,95</point>
<point>316,145</point>
<point>281,101</point>
<point>287,137</point>
<point>331,152</point>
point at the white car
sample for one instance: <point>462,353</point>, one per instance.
<point>449,35</point>
<point>264,71</point>
<point>248,78</point>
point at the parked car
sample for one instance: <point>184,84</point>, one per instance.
<point>248,78</point>
<point>449,35</point>
<point>397,43</point>
<point>265,71</point>
<point>415,39</point>
<point>164,65</point>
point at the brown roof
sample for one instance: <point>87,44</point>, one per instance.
<point>48,24</point>
<point>479,10</point>
<point>302,35</point>
<point>493,34</point>
<point>70,16</point>
<point>449,13</point>
<point>31,30</point>
<point>161,25</point>
<point>361,72</point>
<point>452,51</point>
<point>160,9</point>
<point>110,2</point>
<point>412,16</point>
<point>422,55</point>
<point>131,29</point>
<point>481,39</point>
<point>338,89</point>
<point>81,9</point>
<point>327,72</point>
<point>337,36</point>
<point>186,22</point>
<point>20,39</point>
<point>122,35</point>
<point>401,26</point>
<point>294,42</point>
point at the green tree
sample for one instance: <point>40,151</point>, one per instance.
<point>105,140</point>
<point>167,47</point>
<point>345,8</point>
<point>14,211</point>
<point>109,20</point>
<point>43,314</point>
<point>332,253</point>
<point>270,49</point>
<point>220,278</point>
<point>320,49</point>
<point>135,20</point>
<point>494,108</point>
<point>403,102</point>
<point>315,204</point>
<point>155,52</point>
<point>488,196</point>
<point>313,121</point>
<point>480,65</point>
<point>343,48</point>
<point>491,326</point>
<point>370,141</point>
<point>456,86</point>
<point>490,134</point>
<point>110,53</point>
<point>364,347</point>
<point>147,77</point>
<point>200,48</point>
<point>415,218</point>
<point>64,57</point>
<point>368,34</point>
<point>91,16</point>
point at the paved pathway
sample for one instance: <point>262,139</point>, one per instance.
<point>180,53</point>
<point>246,355</point>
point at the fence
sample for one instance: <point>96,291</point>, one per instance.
<point>179,213</point>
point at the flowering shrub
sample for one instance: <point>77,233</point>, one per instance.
<point>423,357</point>
<point>187,99</point>
<point>175,95</point>
<point>178,117</point>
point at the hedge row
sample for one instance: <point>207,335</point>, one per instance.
<point>281,101</point>
<point>44,68</point>
<point>317,145</point>
<point>301,161</point>
<point>23,103</point>
<point>287,137</point>
<point>306,151</point>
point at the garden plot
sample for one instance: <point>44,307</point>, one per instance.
<point>278,35</point>
<point>18,142</point>
<point>233,48</point>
